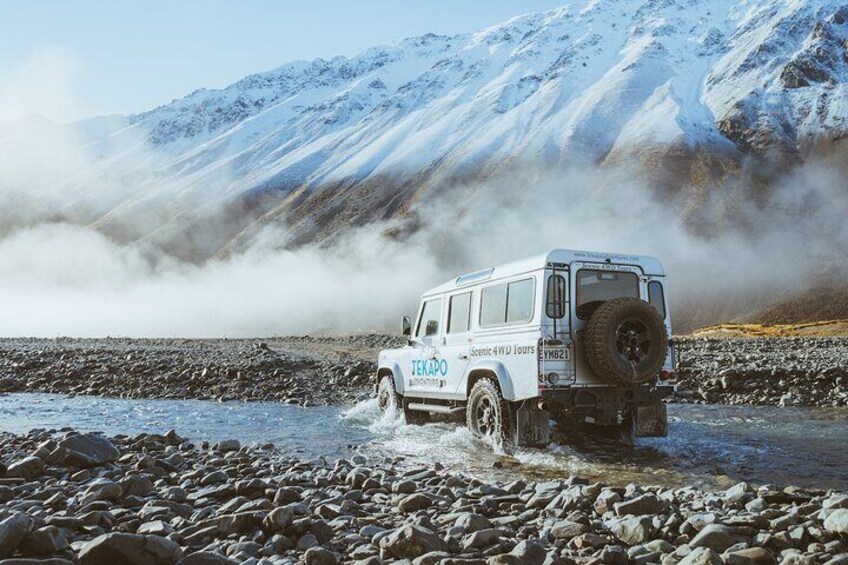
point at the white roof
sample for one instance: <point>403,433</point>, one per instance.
<point>649,265</point>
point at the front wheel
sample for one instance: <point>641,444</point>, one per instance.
<point>487,415</point>
<point>387,398</point>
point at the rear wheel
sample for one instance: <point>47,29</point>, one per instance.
<point>488,416</point>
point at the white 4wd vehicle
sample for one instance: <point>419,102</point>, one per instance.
<point>578,337</point>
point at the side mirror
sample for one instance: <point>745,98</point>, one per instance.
<point>406,326</point>
<point>555,305</point>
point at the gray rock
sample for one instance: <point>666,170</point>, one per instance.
<point>206,558</point>
<point>647,503</point>
<point>278,519</point>
<point>530,552</point>
<point>566,530</point>
<point>736,493</point>
<point>837,521</point>
<point>101,489</point>
<point>471,522</point>
<point>481,539</point>
<point>129,549</point>
<point>714,536</point>
<point>43,542</point>
<point>701,556</point>
<point>606,500</point>
<point>13,530</point>
<point>415,502</point>
<point>87,450</point>
<point>36,561</point>
<point>228,445</point>
<point>26,468</point>
<point>632,530</point>
<point>750,556</point>
<point>307,541</point>
<point>410,542</point>
<point>320,556</point>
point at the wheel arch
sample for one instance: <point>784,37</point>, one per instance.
<point>393,370</point>
<point>494,370</point>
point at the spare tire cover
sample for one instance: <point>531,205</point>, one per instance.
<point>626,341</point>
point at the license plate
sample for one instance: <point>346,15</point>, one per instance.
<point>555,354</point>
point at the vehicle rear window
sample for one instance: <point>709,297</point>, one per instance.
<point>508,303</point>
<point>459,315</point>
<point>428,323</point>
<point>596,287</point>
<point>656,297</point>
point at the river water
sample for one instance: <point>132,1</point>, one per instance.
<point>707,446</point>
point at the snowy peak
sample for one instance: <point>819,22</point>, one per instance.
<point>594,80</point>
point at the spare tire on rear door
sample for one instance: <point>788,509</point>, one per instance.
<point>626,341</point>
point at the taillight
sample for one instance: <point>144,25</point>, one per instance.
<point>667,375</point>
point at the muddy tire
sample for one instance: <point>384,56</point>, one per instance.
<point>387,397</point>
<point>488,415</point>
<point>626,342</point>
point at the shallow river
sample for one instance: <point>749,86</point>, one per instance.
<point>710,446</point>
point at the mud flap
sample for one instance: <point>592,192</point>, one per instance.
<point>534,425</point>
<point>652,420</point>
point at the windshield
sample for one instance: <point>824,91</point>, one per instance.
<point>596,287</point>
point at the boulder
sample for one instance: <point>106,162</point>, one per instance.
<point>26,468</point>
<point>410,542</point>
<point>45,541</point>
<point>471,522</point>
<point>415,502</point>
<point>228,445</point>
<point>129,549</point>
<point>87,450</point>
<point>633,530</point>
<point>13,530</point>
<point>101,489</point>
<point>701,556</point>
<point>750,556</point>
<point>319,556</point>
<point>647,503</point>
<point>837,521</point>
<point>566,530</point>
<point>714,536</point>
<point>278,519</point>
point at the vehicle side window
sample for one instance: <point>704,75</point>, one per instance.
<point>428,323</point>
<point>519,301</point>
<point>508,303</point>
<point>656,297</point>
<point>459,313</point>
<point>493,305</point>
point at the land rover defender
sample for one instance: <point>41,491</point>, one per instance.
<point>577,337</point>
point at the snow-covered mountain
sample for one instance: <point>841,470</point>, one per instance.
<point>352,139</point>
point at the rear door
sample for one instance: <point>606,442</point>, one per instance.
<point>592,284</point>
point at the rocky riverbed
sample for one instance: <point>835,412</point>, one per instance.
<point>159,499</point>
<point>302,370</point>
<point>785,371</point>
<point>311,370</point>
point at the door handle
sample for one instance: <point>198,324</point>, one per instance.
<point>463,356</point>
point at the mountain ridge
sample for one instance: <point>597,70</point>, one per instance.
<point>325,144</point>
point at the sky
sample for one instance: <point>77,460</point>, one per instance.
<point>71,60</point>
